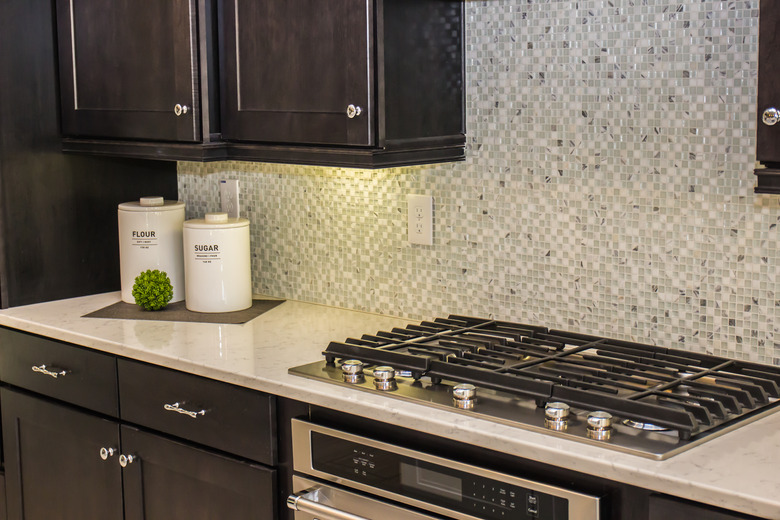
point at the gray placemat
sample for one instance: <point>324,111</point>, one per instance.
<point>178,312</point>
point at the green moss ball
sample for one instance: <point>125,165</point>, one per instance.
<point>152,290</point>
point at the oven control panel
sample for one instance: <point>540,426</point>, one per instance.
<point>477,495</point>
<point>431,483</point>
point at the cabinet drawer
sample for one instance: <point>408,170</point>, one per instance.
<point>60,370</point>
<point>668,508</point>
<point>223,416</point>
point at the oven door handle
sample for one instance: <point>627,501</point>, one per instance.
<point>305,504</point>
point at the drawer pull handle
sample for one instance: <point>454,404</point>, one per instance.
<point>175,408</point>
<point>124,460</point>
<point>105,453</point>
<point>55,373</point>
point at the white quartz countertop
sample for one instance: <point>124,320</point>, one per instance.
<point>739,470</point>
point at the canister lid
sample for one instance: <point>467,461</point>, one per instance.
<point>216,218</point>
<point>216,221</point>
<point>152,203</point>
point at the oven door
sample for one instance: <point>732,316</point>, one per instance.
<point>312,500</point>
<point>413,484</point>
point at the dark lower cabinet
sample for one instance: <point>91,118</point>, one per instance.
<point>668,508</point>
<point>169,480</point>
<point>53,463</point>
<point>100,438</point>
<point>2,497</point>
<point>55,468</point>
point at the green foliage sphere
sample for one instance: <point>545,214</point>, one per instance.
<point>152,290</point>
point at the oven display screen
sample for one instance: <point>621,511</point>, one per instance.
<point>429,481</point>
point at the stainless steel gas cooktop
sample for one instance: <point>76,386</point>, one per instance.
<point>637,398</point>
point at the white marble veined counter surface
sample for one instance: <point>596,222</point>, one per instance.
<point>739,470</point>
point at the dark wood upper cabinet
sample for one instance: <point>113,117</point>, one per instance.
<point>125,67</point>
<point>363,83</point>
<point>768,108</point>
<point>290,76</point>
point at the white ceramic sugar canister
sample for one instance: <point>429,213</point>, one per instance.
<point>150,237</point>
<point>217,266</point>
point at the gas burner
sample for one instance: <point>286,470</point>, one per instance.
<point>639,398</point>
<point>647,427</point>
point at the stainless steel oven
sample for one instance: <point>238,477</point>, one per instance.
<point>342,476</point>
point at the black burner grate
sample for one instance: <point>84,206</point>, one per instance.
<point>667,388</point>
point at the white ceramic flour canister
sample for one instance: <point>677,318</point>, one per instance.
<point>217,268</point>
<point>150,237</point>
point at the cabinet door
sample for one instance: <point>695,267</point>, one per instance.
<point>167,480</point>
<point>668,508</point>
<point>125,65</point>
<point>53,464</point>
<point>291,69</point>
<point>768,136</point>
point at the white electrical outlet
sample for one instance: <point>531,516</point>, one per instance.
<point>228,195</point>
<point>420,219</point>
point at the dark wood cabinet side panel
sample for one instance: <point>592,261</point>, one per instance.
<point>58,235</point>
<point>768,137</point>
<point>3,501</point>
<point>422,36</point>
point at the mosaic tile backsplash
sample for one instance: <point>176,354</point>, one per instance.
<point>608,187</point>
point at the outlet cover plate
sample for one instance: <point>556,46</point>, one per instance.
<point>420,219</point>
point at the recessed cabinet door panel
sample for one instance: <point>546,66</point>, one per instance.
<point>768,136</point>
<point>53,465</point>
<point>125,65</point>
<point>292,68</point>
<point>168,480</point>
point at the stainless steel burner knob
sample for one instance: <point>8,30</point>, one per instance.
<point>464,395</point>
<point>556,416</point>
<point>353,371</point>
<point>599,426</point>
<point>384,378</point>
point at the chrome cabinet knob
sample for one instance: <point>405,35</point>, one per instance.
<point>180,109</point>
<point>105,453</point>
<point>124,460</point>
<point>353,111</point>
<point>771,116</point>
